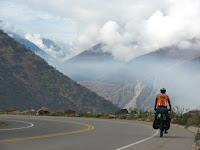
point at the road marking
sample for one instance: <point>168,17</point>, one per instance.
<point>89,127</point>
<point>30,125</point>
<point>137,142</point>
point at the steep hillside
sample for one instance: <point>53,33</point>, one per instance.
<point>27,81</point>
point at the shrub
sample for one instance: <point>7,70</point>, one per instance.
<point>197,136</point>
<point>57,113</point>
<point>69,111</point>
<point>92,115</point>
<point>193,121</point>
<point>134,111</point>
<point>123,117</point>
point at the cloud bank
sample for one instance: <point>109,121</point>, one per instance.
<point>60,53</point>
<point>130,28</point>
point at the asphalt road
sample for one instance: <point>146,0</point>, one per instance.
<point>62,133</point>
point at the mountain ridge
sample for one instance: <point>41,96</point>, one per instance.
<point>27,81</point>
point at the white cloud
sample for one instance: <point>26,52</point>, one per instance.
<point>8,27</point>
<point>130,28</point>
<point>109,33</point>
<point>37,40</point>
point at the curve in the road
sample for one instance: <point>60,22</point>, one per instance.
<point>30,125</point>
<point>108,135</point>
<point>89,127</point>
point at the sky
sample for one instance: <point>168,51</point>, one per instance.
<point>32,21</point>
<point>130,28</point>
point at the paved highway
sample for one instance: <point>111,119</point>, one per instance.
<point>63,133</point>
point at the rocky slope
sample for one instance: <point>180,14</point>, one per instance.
<point>103,89</point>
<point>123,96</point>
<point>27,81</point>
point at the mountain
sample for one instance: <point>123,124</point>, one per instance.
<point>168,67</point>
<point>34,48</point>
<point>93,64</point>
<point>60,50</point>
<point>169,56</point>
<point>123,96</point>
<point>27,81</point>
<point>192,65</point>
<point>50,51</point>
<point>103,89</point>
<point>28,44</point>
<point>49,44</point>
<point>53,58</point>
<point>100,72</point>
<point>93,54</point>
<point>138,81</point>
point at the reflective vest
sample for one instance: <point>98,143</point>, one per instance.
<point>162,99</point>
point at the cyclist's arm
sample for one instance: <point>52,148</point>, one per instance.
<point>170,106</point>
<point>155,103</point>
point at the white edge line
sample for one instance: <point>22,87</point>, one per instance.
<point>30,125</point>
<point>137,142</point>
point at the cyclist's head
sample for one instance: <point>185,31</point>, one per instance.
<point>163,90</point>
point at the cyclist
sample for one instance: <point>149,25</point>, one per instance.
<point>162,101</point>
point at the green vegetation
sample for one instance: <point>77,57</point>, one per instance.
<point>197,136</point>
<point>191,118</point>
<point>90,115</point>
<point>57,114</point>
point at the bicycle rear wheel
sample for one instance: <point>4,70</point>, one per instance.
<point>161,129</point>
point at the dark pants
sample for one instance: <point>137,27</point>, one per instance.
<point>162,110</point>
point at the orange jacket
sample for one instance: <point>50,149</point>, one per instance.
<point>162,100</point>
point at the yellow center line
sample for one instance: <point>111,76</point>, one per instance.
<point>89,127</point>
